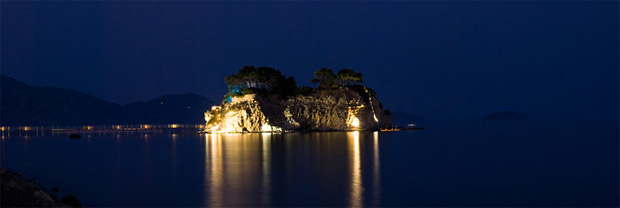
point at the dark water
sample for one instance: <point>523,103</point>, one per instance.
<point>449,164</point>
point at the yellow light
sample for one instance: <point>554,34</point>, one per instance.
<point>266,128</point>
<point>214,128</point>
<point>146,126</point>
<point>269,128</point>
<point>118,126</point>
<point>173,126</point>
<point>2,128</point>
<point>89,127</point>
<point>207,117</point>
<point>355,122</point>
<point>26,128</point>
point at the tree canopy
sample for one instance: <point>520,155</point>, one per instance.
<point>348,77</point>
<point>250,79</point>
<point>326,78</point>
<point>260,78</point>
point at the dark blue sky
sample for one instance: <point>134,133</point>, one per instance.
<point>441,60</point>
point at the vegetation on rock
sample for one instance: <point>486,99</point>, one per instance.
<point>262,99</point>
<point>326,78</point>
<point>267,80</point>
<point>252,79</point>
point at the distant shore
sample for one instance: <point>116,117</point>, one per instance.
<point>101,129</point>
<point>144,128</point>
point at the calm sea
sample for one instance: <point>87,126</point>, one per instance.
<point>448,164</point>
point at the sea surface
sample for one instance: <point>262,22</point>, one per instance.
<point>459,163</point>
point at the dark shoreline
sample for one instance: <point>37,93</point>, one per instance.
<point>18,191</point>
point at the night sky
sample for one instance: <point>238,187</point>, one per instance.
<point>441,60</point>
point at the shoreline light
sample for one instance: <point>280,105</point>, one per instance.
<point>355,122</point>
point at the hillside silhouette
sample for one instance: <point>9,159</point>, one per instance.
<point>22,104</point>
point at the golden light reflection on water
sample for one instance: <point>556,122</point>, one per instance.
<point>356,172</point>
<point>213,165</point>
<point>237,170</point>
<point>376,179</point>
<point>266,167</point>
<point>174,157</point>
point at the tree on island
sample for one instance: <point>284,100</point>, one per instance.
<point>267,80</point>
<point>325,78</point>
<point>347,77</point>
<point>260,79</point>
<point>328,80</point>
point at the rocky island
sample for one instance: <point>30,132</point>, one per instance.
<point>261,99</point>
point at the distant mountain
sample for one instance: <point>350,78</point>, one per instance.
<point>505,115</point>
<point>403,118</point>
<point>21,104</point>
<point>184,108</point>
<point>25,105</point>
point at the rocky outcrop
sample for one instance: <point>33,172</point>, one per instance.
<point>17,191</point>
<point>323,110</point>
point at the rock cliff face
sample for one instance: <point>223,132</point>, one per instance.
<point>324,110</point>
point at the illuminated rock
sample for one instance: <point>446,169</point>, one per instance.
<point>324,110</point>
